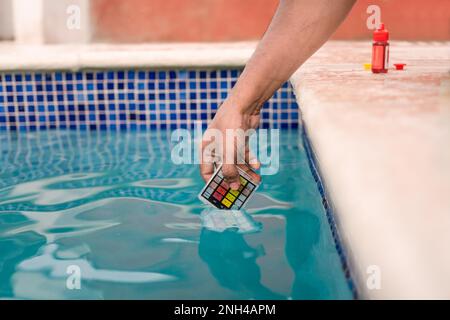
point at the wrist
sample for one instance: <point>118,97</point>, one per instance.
<point>245,103</point>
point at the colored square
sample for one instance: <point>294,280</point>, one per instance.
<point>224,185</point>
<point>226,203</point>
<point>227,198</point>
<point>213,185</point>
<point>230,197</point>
<point>221,190</point>
<point>218,196</point>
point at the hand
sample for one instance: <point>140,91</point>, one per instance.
<point>234,153</point>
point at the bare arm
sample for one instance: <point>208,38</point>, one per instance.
<point>297,30</point>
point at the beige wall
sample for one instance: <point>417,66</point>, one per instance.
<point>6,21</point>
<point>27,19</point>
<point>56,15</point>
<point>44,21</point>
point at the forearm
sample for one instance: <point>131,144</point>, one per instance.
<point>297,30</point>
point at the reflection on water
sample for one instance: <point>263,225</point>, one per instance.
<point>232,261</point>
<point>114,205</point>
<point>222,220</point>
<point>57,268</point>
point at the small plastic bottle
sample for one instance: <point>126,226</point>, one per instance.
<point>380,50</point>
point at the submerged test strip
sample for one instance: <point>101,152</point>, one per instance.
<point>219,195</point>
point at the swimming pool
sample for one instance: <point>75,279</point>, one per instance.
<point>114,205</point>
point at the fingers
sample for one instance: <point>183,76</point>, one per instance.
<point>206,170</point>
<point>231,175</point>
<point>232,152</point>
<point>230,172</point>
<point>251,159</point>
<point>207,159</point>
<point>252,174</point>
<point>247,155</point>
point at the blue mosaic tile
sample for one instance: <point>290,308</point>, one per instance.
<point>127,100</point>
<point>312,162</point>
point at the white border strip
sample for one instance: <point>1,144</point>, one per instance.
<point>102,56</point>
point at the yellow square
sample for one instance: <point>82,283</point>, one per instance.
<point>226,202</point>
<point>234,192</point>
<point>230,197</point>
<point>243,181</point>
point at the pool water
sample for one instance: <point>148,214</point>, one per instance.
<point>113,206</point>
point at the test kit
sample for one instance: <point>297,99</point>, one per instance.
<point>218,194</point>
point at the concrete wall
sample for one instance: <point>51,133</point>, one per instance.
<point>136,21</point>
<point>28,21</point>
<point>66,21</point>
<point>233,20</point>
<point>6,21</point>
<point>405,19</point>
<point>180,20</point>
<point>45,21</point>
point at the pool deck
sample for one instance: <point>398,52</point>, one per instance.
<point>382,147</point>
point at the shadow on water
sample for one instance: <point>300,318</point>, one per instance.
<point>231,260</point>
<point>233,263</point>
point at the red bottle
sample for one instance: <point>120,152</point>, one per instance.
<point>380,50</point>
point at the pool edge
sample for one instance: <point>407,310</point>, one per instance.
<point>341,250</point>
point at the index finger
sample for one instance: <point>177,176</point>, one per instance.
<point>206,160</point>
<point>206,171</point>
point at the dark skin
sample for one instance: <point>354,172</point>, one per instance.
<point>298,29</point>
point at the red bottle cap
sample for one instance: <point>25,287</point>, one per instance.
<point>381,34</point>
<point>399,66</point>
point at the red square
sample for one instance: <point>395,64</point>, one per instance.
<point>221,190</point>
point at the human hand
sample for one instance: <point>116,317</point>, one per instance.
<point>226,141</point>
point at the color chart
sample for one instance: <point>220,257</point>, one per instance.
<point>220,196</point>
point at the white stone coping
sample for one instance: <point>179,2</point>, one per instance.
<point>382,147</point>
<point>15,57</point>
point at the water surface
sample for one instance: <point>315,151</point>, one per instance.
<point>116,207</point>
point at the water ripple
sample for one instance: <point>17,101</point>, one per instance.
<point>58,269</point>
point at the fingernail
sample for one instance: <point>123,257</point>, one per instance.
<point>234,185</point>
<point>255,165</point>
